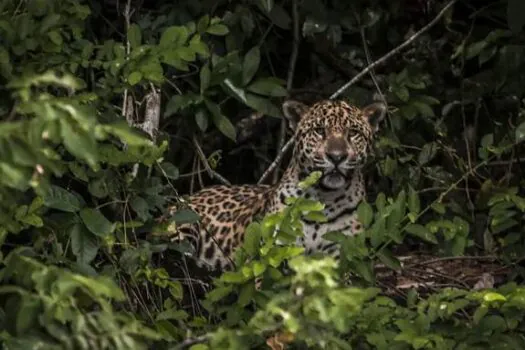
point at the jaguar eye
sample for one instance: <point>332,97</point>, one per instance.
<point>320,131</point>
<point>352,134</point>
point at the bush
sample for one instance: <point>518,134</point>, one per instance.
<point>112,112</point>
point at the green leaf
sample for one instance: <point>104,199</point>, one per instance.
<point>205,76</point>
<point>218,29</point>
<point>33,220</point>
<point>246,295</point>
<point>27,314</point>
<point>252,239</point>
<point>402,92</point>
<point>83,244</point>
<point>55,37</point>
<point>185,216</point>
<point>198,46</point>
<point>233,277</point>
<point>141,207</point>
<point>365,213</point>
<point>428,153</point>
<point>310,180</point>
<point>365,270</point>
<point>414,205</point>
<point>78,171</point>
<point>493,296</point>
<point>263,105</point>
<point>199,347</point>
<point>421,232</point>
<point>6,68</point>
<point>169,170</point>
<point>96,222</point>
<point>280,17</point>
<point>268,87</point>
<point>172,314</point>
<point>234,90</point>
<point>79,143</point>
<point>438,208</point>
<point>250,64</point>
<point>127,134</point>
<point>203,24</point>
<point>258,268</point>
<point>134,78</point>
<point>15,177</point>
<point>201,118</point>
<point>389,259</point>
<point>219,293</point>
<point>515,18</point>
<point>180,102</point>
<point>424,109</point>
<point>134,36</point>
<point>221,122</point>
<point>174,36</point>
<point>58,198</point>
<point>480,312</point>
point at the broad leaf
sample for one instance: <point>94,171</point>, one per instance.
<point>59,198</point>
<point>250,64</point>
<point>96,222</point>
<point>221,122</point>
<point>83,244</point>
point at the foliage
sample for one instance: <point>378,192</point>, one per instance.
<point>82,180</point>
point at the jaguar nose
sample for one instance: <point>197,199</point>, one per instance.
<point>336,157</point>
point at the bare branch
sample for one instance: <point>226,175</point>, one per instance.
<point>277,160</point>
<point>393,52</point>
<point>212,173</point>
<point>289,81</point>
<point>192,341</point>
<point>125,112</point>
<point>360,75</point>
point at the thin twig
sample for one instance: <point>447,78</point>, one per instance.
<point>393,52</point>
<point>451,258</point>
<point>127,17</point>
<point>277,160</point>
<point>212,173</point>
<point>368,62</point>
<point>289,80</point>
<point>192,341</point>
<point>360,75</point>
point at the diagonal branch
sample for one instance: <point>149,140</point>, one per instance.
<point>212,173</point>
<point>395,51</point>
<point>289,81</point>
<point>360,75</point>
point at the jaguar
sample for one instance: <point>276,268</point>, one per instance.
<point>333,137</point>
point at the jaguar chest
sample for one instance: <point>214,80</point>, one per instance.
<point>340,209</point>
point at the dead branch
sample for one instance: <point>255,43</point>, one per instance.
<point>212,173</point>
<point>152,113</point>
<point>277,160</point>
<point>289,81</point>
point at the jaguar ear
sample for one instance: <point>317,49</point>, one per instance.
<point>293,111</point>
<point>374,114</point>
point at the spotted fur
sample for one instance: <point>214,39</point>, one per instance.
<point>333,137</point>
